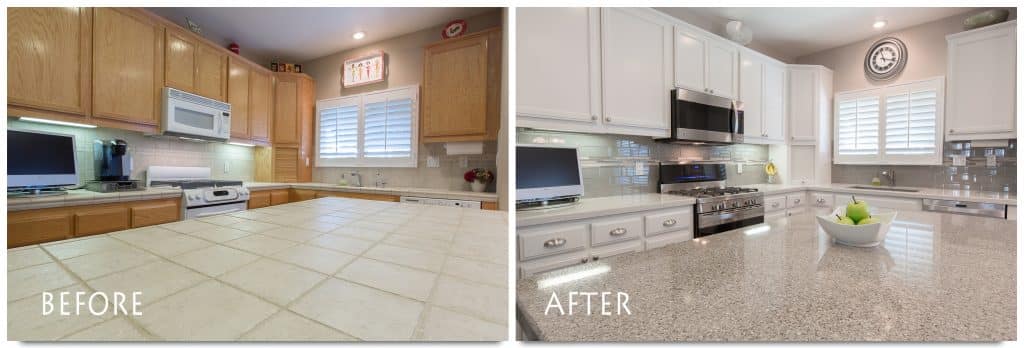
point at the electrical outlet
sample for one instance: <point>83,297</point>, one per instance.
<point>227,166</point>
<point>739,168</point>
<point>433,162</point>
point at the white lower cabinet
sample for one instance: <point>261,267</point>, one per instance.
<point>822,202</point>
<point>547,247</point>
<point>908,204</point>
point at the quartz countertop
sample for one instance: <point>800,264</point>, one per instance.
<point>83,197</point>
<point>937,277</point>
<point>923,192</point>
<point>601,206</point>
<point>327,269</point>
<point>399,191</point>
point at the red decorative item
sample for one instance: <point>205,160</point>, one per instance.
<point>454,29</point>
<point>233,47</point>
<point>479,175</point>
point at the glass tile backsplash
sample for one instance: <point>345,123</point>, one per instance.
<point>622,164</point>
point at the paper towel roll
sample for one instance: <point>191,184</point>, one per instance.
<point>466,148</point>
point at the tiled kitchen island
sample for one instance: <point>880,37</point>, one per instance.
<point>323,269</point>
<point>937,277</point>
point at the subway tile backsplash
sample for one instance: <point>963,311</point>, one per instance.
<point>622,164</point>
<point>154,151</point>
<point>447,176</point>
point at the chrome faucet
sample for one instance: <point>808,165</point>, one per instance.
<point>890,174</point>
<point>359,179</point>
<point>380,182</point>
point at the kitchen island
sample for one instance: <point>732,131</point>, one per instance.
<point>324,269</point>
<point>937,277</point>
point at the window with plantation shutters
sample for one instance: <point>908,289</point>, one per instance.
<point>372,129</point>
<point>895,124</point>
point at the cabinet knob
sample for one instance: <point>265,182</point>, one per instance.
<point>797,201</point>
<point>669,223</point>
<point>775,204</point>
<point>712,91</point>
<point>951,131</point>
<point>617,232</point>
<point>607,119</point>
<point>593,117</point>
<point>554,242</point>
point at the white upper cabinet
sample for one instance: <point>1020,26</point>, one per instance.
<point>803,128</point>
<point>705,63</point>
<point>981,92</point>
<point>558,64</point>
<point>636,70</point>
<point>762,92</point>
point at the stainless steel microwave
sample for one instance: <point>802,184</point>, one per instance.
<point>701,118</point>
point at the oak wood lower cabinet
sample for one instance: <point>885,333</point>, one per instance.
<point>358,195</point>
<point>279,197</point>
<point>461,88</point>
<point>266,198</point>
<point>27,227</point>
<point>297,195</point>
<point>489,205</point>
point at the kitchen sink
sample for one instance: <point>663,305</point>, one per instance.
<point>884,188</point>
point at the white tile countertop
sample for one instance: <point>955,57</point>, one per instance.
<point>324,269</point>
<point>398,191</point>
<point>601,206</point>
<point>923,192</point>
<point>83,197</point>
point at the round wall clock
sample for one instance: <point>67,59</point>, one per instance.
<point>453,29</point>
<point>886,59</point>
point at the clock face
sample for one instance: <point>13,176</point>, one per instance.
<point>885,59</point>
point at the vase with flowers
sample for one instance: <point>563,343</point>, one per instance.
<point>478,178</point>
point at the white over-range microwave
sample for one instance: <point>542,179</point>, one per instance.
<point>193,116</point>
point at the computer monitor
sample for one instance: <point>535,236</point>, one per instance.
<point>546,172</point>
<point>38,159</point>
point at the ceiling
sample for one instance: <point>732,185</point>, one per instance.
<point>788,32</point>
<point>298,35</point>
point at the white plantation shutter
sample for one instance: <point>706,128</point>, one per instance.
<point>371,129</point>
<point>910,116</point>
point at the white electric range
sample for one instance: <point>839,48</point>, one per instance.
<point>201,195</point>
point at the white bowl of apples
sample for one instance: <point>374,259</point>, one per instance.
<point>857,224</point>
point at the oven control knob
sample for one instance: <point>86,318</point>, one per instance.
<point>735,204</point>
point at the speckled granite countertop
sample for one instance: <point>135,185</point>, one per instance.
<point>400,191</point>
<point>601,206</point>
<point>923,192</point>
<point>938,277</point>
<point>83,197</point>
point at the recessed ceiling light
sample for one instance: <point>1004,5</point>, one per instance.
<point>359,35</point>
<point>880,23</point>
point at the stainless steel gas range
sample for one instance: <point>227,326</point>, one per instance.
<point>719,208</point>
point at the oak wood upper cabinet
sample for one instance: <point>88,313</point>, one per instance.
<point>260,105</point>
<point>195,67</point>
<point>461,87</point>
<point>239,88</point>
<point>558,77</point>
<point>981,83</point>
<point>126,75</point>
<point>705,63</point>
<point>293,128</point>
<point>49,58</point>
<point>286,112</point>
<point>636,69</point>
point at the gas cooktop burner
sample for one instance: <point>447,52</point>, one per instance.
<point>194,184</point>
<point>712,191</point>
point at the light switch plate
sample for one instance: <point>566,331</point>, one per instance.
<point>739,168</point>
<point>433,162</point>
<point>463,162</point>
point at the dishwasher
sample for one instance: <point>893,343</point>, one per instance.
<point>966,208</point>
<point>441,202</point>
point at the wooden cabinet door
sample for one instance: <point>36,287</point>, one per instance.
<point>286,118</point>
<point>48,58</point>
<point>259,199</point>
<point>239,88</point>
<point>126,71</point>
<point>557,57</point>
<point>260,105</point>
<point>455,88</point>
<point>723,59</point>
<point>982,84</point>
<point>180,56</point>
<point>33,227</point>
<point>751,92</point>
<point>306,110</point>
<point>774,110</point>
<point>278,197</point>
<point>211,72</point>
<point>96,220</point>
<point>155,212</point>
<point>636,69</point>
<point>286,160</point>
<point>690,55</point>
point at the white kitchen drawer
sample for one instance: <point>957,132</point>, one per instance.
<point>616,249</point>
<point>615,230</point>
<point>544,264</point>
<point>547,240</point>
<point>667,238</point>
<point>907,204</point>
<point>795,211</point>
<point>822,199</point>
<point>774,203</point>
<point>796,200</point>
<point>774,215</point>
<point>667,221</point>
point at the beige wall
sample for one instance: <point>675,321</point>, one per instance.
<point>404,56</point>
<point>926,46</point>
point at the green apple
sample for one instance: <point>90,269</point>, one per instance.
<point>868,220</point>
<point>857,210</point>
<point>844,220</point>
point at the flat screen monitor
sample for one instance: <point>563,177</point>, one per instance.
<point>40,159</point>
<point>545,172</point>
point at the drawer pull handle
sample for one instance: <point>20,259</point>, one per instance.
<point>796,201</point>
<point>821,201</point>
<point>775,204</point>
<point>617,232</point>
<point>554,242</point>
<point>669,223</point>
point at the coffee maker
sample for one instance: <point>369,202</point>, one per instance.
<point>112,166</point>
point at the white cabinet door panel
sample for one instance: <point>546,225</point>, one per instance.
<point>982,85</point>
<point>802,106</point>
<point>773,112</point>
<point>690,54</point>
<point>636,68</point>
<point>751,95</point>
<point>722,77</point>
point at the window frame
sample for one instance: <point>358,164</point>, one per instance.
<point>882,93</point>
<point>360,160</point>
